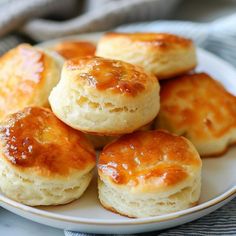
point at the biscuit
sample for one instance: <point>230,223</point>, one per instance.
<point>27,75</point>
<point>199,108</point>
<point>105,97</point>
<point>149,173</point>
<point>43,161</point>
<point>72,49</point>
<point>165,55</point>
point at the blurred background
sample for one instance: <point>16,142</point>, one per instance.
<point>34,21</point>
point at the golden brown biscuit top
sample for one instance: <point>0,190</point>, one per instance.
<point>201,106</point>
<point>161,40</point>
<point>22,72</point>
<point>145,156</point>
<point>103,74</point>
<point>72,49</point>
<point>35,138</point>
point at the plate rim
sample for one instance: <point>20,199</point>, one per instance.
<point>230,193</point>
<point>155,219</point>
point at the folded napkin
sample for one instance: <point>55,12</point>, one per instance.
<point>72,17</point>
<point>103,15</point>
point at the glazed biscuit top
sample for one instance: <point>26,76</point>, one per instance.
<point>106,74</point>
<point>201,106</point>
<point>160,40</point>
<point>148,157</point>
<point>35,138</point>
<point>72,49</point>
<point>22,72</point>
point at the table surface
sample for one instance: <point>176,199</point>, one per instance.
<point>194,10</point>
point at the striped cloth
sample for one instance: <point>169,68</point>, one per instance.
<point>218,37</point>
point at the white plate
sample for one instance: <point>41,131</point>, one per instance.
<point>87,215</point>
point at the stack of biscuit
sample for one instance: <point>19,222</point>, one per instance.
<point>136,97</point>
